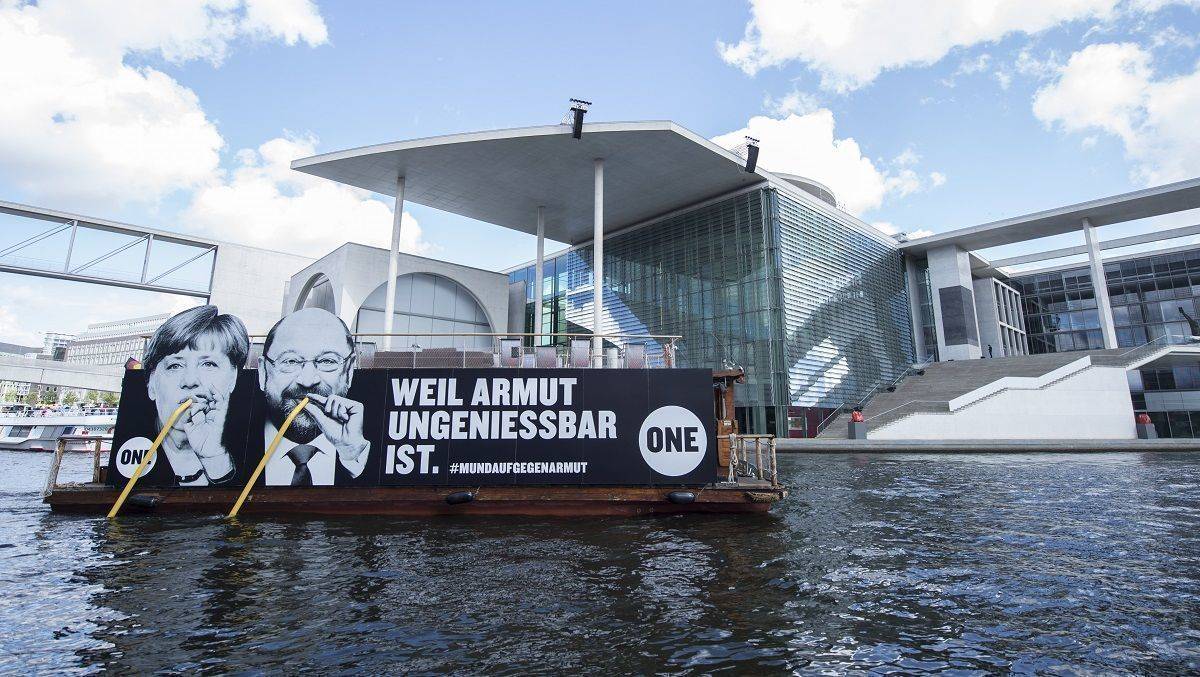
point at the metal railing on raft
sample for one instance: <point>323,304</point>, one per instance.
<point>515,350</point>
<point>764,467</point>
<point>64,443</point>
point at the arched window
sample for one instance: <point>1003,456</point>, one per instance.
<point>427,303</point>
<point>318,293</point>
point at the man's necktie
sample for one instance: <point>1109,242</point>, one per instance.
<point>300,456</point>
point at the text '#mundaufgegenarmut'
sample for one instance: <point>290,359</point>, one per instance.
<point>494,409</point>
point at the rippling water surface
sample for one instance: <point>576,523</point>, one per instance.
<point>1032,563</point>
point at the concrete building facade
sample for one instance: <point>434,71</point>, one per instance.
<point>431,296</point>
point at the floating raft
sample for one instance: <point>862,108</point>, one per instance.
<point>746,481</point>
<point>742,496</point>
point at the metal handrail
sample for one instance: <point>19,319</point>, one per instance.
<point>1181,340</point>
<point>509,334</point>
<point>915,367</point>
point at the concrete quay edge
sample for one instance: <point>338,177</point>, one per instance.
<point>837,446</point>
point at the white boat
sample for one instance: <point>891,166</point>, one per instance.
<point>39,431</point>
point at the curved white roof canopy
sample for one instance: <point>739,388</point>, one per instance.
<point>810,186</point>
<point>501,177</point>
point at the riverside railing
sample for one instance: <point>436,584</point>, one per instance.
<point>890,385</point>
<point>514,350</point>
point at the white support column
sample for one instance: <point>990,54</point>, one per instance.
<point>598,265</point>
<point>537,274</point>
<point>389,306</point>
<point>1100,284</point>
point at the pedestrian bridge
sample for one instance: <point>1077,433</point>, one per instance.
<point>61,374</point>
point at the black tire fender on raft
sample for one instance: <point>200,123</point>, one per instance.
<point>460,497</point>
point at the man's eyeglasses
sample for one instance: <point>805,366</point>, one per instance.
<point>291,364</point>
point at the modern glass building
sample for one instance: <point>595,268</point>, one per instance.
<point>1152,296</point>
<point>812,305</point>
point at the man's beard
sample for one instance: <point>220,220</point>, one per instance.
<point>304,428</point>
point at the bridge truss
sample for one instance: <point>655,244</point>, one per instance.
<point>59,245</point>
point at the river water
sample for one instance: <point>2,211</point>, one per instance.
<point>975,563</point>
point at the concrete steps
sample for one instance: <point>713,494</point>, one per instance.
<point>943,382</point>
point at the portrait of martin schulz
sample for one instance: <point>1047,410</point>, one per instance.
<point>310,353</point>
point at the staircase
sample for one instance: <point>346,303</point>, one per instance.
<point>951,386</point>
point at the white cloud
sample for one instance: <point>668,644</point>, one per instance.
<point>851,43</point>
<point>1113,88</point>
<point>795,101</point>
<point>31,307</point>
<point>937,179</point>
<point>1173,37</point>
<point>263,202</point>
<point>907,158</point>
<point>889,228</point>
<point>806,145</point>
<point>979,64</point>
<point>84,128</point>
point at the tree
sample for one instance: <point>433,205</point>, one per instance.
<point>49,396</point>
<point>93,397</point>
<point>110,399</point>
<point>31,397</point>
<point>71,398</point>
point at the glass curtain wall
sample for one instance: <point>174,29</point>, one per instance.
<point>703,274</point>
<point>846,318</point>
<point>758,280</point>
<point>1152,296</point>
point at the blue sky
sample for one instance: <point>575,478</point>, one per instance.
<point>922,116</point>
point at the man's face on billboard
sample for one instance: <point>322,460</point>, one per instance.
<point>309,355</point>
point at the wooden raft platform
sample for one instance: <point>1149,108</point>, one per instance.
<point>743,496</point>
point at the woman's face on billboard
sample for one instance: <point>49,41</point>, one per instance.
<point>203,374</point>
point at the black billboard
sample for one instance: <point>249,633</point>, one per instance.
<point>399,427</point>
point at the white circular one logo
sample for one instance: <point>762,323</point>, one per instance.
<point>130,455</point>
<point>672,441</point>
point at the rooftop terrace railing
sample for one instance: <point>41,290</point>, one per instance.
<point>511,350</point>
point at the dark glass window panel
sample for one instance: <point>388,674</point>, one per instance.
<point>1134,377</point>
<point>1063,342</point>
<point>1178,329</point>
<point>1166,379</point>
<point>1181,423</point>
<point>1185,378</point>
<point>1086,319</point>
<point>1121,316</point>
<point>1149,380</point>
<point>1159,419</point>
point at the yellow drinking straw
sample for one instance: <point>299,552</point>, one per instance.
<point>270,450</point>
<point>162,434</point>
